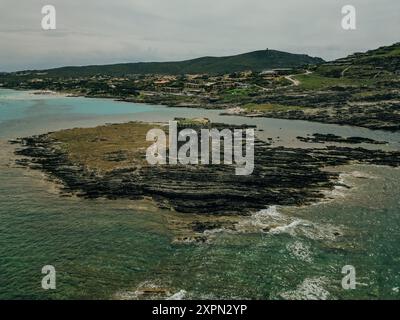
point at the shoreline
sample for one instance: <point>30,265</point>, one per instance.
<point>306,114</point>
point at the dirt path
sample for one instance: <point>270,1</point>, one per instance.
<point>344,71</point>
<point>296,82</point>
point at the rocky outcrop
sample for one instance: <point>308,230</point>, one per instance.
<point>323,138</point>
<point>282,176</point>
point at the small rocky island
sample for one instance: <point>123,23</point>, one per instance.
<point>109,162</point>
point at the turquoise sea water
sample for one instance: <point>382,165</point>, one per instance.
<point>110,249</point>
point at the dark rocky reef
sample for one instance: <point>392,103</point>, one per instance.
<point>334,107</point>
<point>323,138</point>
<point>282,176</point>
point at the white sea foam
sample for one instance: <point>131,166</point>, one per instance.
<point>300,250</point>
<point>260,220</point>
<point>150,290</point>
<point>310,289</point>
<point>271,211</point>
<point>180,295</point>
<point>272,221</point>
<point>288,228</point>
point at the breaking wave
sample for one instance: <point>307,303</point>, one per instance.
<point>310,289</point>
<point>271,221</point>
<point>151,290</point>
<point>300,251</point>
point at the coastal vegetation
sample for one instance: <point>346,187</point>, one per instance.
<point>106,147</point>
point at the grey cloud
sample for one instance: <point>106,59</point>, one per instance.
<point>100,31</point>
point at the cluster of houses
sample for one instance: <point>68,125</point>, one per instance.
<point>201,83</point>
<point>171,84</point>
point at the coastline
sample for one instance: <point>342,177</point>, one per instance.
<point>293,241</point>
<point>276,106</point>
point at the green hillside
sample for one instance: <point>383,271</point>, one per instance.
<point>378,63</point>
<point>255,61</point>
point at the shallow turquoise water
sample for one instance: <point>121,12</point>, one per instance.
<point>101,247</point>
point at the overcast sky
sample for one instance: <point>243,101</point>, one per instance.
<point>112,31</point>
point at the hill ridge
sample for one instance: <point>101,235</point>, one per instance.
<point>258,60</point>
